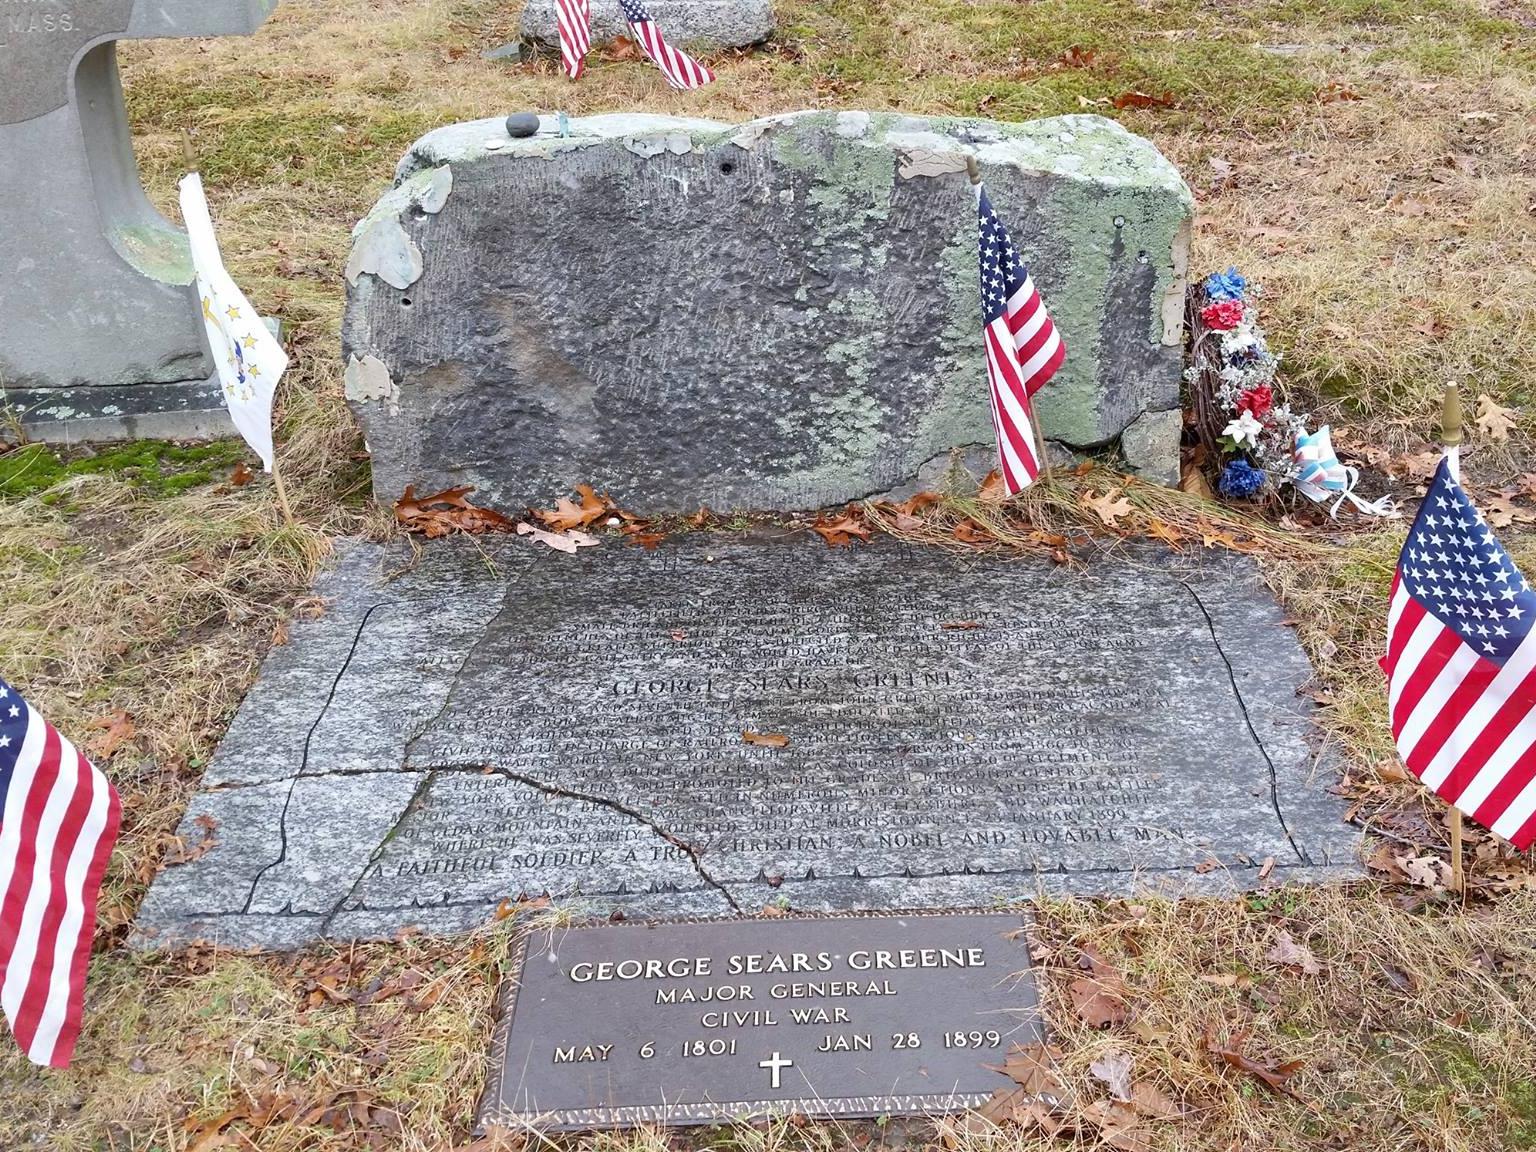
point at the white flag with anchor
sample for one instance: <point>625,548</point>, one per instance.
<point>247,356</point>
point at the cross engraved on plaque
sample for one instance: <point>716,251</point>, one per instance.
<point>775,1065</point>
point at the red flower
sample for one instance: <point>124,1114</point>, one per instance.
<point>1257,400</point>
<point>1223,317</point>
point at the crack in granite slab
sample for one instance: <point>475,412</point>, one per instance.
<point>282,823</point>
<point>602,801</point>
<point>1274,775</point>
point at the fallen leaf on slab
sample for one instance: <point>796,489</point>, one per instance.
<point>842,530</point>
<point>1164,532</point>
<point>1495,420</point>
<point>1113,1068</point>
<point>1286,951</point>
<point>1111,507</point>
<point>969,532</point>
<point>960,625</point>
<point>766,739</point>
<point>443,513</point>
<point>567,542</point>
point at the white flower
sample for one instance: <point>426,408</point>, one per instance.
<point>1245,427</point>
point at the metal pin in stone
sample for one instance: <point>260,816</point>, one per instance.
<point>973,170</point>
<point>189,154</point>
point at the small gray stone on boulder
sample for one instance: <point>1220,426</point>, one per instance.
<point>777,315</point>
<point>702,23</point>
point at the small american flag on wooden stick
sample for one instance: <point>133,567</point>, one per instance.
<point>574,19</point>
<point>58,821</point>
<point>1461,663</point>
<point>681,70</point>
<point>1024,349</point>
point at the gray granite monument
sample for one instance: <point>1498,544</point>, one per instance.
<point>99,335</point>
<point>699,23</point>
<point>777,315</point>
<point>952,731</point>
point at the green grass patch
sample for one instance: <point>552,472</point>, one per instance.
<point>154,467</point>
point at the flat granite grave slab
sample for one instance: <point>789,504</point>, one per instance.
<point>961,730</point>
<point>870,1015</point>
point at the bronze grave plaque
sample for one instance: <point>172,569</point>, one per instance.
<point>687,1023</point>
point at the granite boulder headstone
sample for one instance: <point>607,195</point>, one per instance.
<point>777,315</point>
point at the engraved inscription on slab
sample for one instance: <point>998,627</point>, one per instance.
<point>690,1023</point>
<point>38,42</point>
<point>960,730</point>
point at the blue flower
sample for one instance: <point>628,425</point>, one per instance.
<point>1240,479</point>
<point>1228,285</point>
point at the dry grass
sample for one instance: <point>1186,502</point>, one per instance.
<point>1395,234</point>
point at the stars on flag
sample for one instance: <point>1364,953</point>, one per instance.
<point>1461,664</point>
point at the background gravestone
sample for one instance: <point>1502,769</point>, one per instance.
<point>703,23</point>
<point>101,337</point>
<point>782,314</point>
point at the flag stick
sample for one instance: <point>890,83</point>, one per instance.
<point>973,170</point>
<point>190,155</point>
<point>1451,436</point>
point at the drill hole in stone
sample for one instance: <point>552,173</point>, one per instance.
<point>727,167</point>
<point>405,301</point>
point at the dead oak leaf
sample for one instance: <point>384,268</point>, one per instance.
<point>568,514</point>
<point>242,475</point>
<point>1033,1068</point>
<point>842,530</point>
<point>1151,1101</point>
<point>1499,512</point>
<point>1111,507</point>
<point>1293,955</point>
<point>1098,1002</point>
<point>1273,1077</point>
<point>443,513</point>
<point>118,729</point>
<point>993,490</point>
<point>1493,419</point>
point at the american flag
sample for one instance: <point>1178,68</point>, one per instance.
<point>680,69</point>
<point>58,821</point>
<point>574,18</point>
<point>1024,349</point>
<point>1461,664</point>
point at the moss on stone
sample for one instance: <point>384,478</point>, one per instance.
<point>154,467</point>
